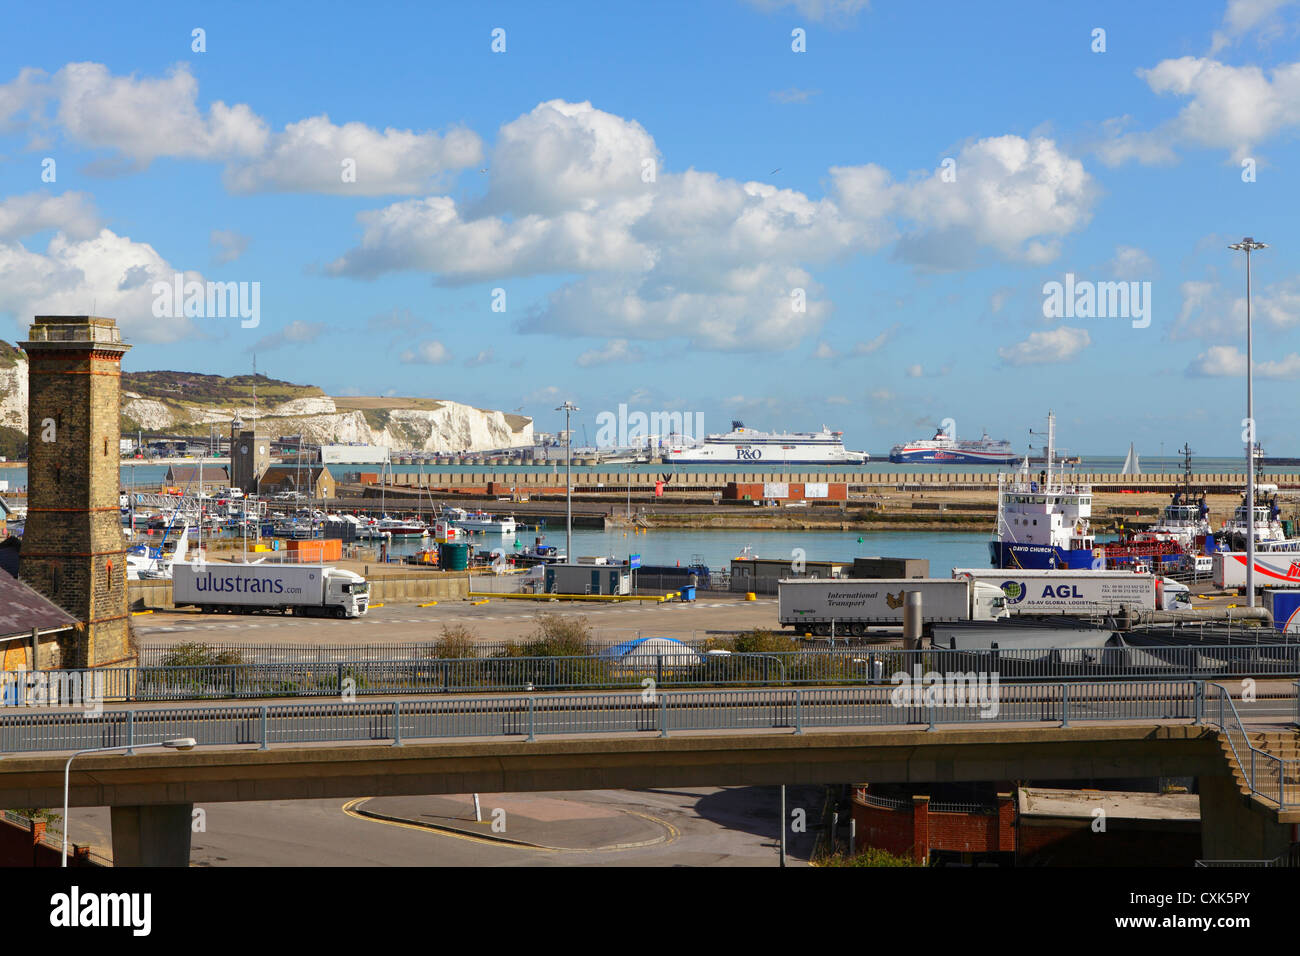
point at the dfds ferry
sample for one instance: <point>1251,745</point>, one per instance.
<point>947,450</point>
<point>743,444</point>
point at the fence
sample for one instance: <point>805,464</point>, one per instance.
<point>794,710</point>
<point>417,669</point>
<point>500,583</point>
<point>28,842</point>
<point>152,655</point>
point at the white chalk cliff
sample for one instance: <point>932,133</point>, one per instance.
<point>434,426</point>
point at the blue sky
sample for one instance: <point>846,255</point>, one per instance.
<point>773,171</point>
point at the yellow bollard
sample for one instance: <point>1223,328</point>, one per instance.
<point>430,604</point>
<point>751,596</point>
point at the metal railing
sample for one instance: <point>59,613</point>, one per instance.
<point>791,709</point>
<point>1265,774</point>
<point>416,669</point>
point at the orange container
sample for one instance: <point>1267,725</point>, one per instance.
<point>328,549</point>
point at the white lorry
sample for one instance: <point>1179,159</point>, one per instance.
<point>309,589</point>
<point>848,606</point>
<point>1273,569</point>
<point>1079,592</point>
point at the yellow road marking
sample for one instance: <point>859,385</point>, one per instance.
<point>348,808</point>
<point>673,833</point>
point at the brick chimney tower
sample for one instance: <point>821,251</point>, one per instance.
<point>73,548</point>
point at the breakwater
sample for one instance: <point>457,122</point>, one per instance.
<point>544,481</point>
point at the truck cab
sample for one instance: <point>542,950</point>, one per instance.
<point>347,592</point>
<point>1174,595</point>
<point>988,602</point>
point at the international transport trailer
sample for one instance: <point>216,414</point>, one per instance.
<point>309,589</point>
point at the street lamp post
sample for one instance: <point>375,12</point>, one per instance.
<point>179,743</point>
<point>568,408</point>
<point>1249,245</point>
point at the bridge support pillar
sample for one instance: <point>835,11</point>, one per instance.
<point>1236,827</point>
<point>152,835</point>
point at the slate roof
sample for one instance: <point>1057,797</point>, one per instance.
<point>212,474</point>
<point>21,607</point>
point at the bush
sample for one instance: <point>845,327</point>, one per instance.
<point>558,636</point>
<point>753,642</point>
<point>871,856</point>
<point>457,640</point>
<point>51,818</point>
<point>199,655</point>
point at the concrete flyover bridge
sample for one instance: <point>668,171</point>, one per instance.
<point>647,739</point>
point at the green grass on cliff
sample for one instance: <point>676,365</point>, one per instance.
<point>195,389</point>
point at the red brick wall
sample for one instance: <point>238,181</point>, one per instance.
<point>885,829</point>
<point>917,829</point>
<point>20,846</point>
<point>737,490</point>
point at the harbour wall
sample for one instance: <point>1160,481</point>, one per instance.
<point>545,482</point>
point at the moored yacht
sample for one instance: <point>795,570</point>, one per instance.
<point>483,523</point>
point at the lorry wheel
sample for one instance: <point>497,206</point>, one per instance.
<point>340,613</point>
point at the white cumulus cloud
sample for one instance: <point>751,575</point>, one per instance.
<point>312,155</point>
<point>613,351</point>
<point>1220,361</point>
<point>428,352</point>
<point>107,273</point>
<point>72,213</point>
<point>1245,16</point>
<point>136,120</point>
<point>1232,108</point>
<point>1043,348</point>
<point>578,191</point>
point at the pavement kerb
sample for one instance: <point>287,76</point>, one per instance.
<point>496,837</point>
